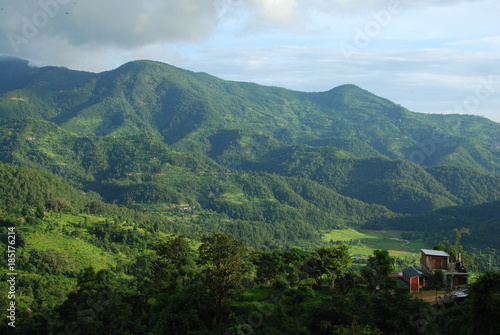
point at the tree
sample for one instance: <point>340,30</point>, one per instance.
<point>485,296</point>
<point>294,297</point>
<point>59,205</point>
<point>382,264</point>
<point>269,266</point>
<point>222,259</point>
<point>293,264</point>
<point>179,312</point>
<point>84,307</point>
<point>458,236</point>
<point>435,281</point>
<point>175,266</point>
<point>330,261</point>
<point>346,282</point>
<point>456,249</point>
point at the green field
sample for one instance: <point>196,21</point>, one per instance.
<point>87,254</point>
<point>363,242</point>
<point>83,252</point>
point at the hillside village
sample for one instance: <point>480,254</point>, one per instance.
<point>454,273</point>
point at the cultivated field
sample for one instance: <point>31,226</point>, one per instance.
<point>363,242</point>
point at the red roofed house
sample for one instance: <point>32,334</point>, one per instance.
<point>414,278</point>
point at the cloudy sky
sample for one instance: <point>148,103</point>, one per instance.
<point>431,56</point>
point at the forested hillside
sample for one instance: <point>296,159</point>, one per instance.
<point>198,112</point>
<point>150,200</point>
<point>118,132</point>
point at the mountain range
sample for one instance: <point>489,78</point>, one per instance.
<point>153,137</point>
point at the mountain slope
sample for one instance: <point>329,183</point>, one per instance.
<point>482,220</point>
<point>157,138</point>
<point>145,174</point>
<point>402,186</point>
<point>192,110</point>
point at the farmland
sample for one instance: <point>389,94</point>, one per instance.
<point>363,242</point>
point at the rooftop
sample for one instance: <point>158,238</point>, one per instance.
<point>396,275</point>
<point>412,272</point>
<point>430,252</point>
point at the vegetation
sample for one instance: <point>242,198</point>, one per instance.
<point>154,200</point>
<point>218,285</point>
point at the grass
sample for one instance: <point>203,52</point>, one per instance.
<point>87,254</point>
<point>345,235</point>
<point>364,242</point>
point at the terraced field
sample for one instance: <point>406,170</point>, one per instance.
<point>363,242</point>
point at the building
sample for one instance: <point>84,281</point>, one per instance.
<point>414,278</point>
<point>431,260</point>
<point>455,273</point>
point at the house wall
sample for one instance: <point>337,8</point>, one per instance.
<point>434,262</point>
<point>414,284</point>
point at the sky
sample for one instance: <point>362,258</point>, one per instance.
<point>430,56</point>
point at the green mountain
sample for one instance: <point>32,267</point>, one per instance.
<point>144,173</point>
<point>198,112</point>
<point>401,186</point>
<point>152,137</point>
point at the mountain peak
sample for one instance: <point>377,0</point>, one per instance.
<point>145,65</point>
<point>348,89</point>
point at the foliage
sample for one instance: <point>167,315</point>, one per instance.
<point>479,314</point>
<point>154,200</point>
<point>382,265</point>
<point>222,259</point>
<point>330,261</point>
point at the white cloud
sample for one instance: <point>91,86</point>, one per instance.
<point>490,41</point>
<point>282,12</point>
<point>96,23</point>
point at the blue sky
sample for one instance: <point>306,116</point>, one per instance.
<point>430,56</point>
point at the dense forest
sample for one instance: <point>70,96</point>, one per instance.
<point>153,200</point>
<point>106,274</point>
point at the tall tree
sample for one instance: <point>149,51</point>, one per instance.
<point>175,265</point>
<point>222,259</point>
<point>270,266</point>
<point>293,298</point>
<point>458,236</point>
